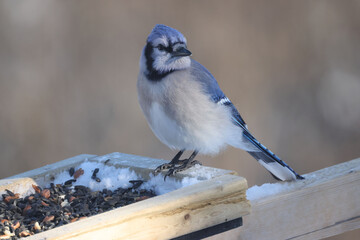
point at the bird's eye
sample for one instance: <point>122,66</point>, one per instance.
<point>161,47</point>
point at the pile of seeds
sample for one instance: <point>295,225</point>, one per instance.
<point>61,204</point>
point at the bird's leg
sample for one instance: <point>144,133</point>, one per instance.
<point>176,160</point>
<point>187,163</point>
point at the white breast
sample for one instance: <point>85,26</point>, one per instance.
<point>166,129</point>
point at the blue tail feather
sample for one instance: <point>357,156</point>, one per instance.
<point>267,156</point>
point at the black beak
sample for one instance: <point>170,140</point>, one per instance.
<point>181,52</point>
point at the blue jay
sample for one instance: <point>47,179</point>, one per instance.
<point>187,110</point>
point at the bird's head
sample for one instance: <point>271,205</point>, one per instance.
<point>165,52</point>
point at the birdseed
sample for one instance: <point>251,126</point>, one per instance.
<point>61,204</point>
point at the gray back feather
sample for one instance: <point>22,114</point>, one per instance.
<point>212,88</point>
<point>209,83</point>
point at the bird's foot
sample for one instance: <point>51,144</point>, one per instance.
<point>169,165</point>
<point>175,161</point>
<point>175,169</point>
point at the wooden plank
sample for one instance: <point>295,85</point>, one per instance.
<point>327,203</point>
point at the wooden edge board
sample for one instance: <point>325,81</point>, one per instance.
<point>325,204</point>
<point>54,167</point>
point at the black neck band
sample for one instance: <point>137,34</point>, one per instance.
<point>153,74</point>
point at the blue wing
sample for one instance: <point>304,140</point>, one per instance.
<point>212,88</point>
<point>210,84</point>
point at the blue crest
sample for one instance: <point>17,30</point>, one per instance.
<point>171,34</point>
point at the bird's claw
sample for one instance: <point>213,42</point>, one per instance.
<point>173,169</point>
<point>170,172</point>
<point>163,167</point>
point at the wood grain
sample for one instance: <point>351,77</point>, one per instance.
<point>324,205</point>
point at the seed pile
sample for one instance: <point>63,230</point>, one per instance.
<point>61,204</point>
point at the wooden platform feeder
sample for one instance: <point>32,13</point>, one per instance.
<point>326,203</point>
<point>196,211</point>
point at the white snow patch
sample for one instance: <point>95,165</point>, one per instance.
<point>257,192</point>
<point>159,186</point>
<point>113,178</point>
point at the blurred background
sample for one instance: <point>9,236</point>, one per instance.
<point>68,72</point>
